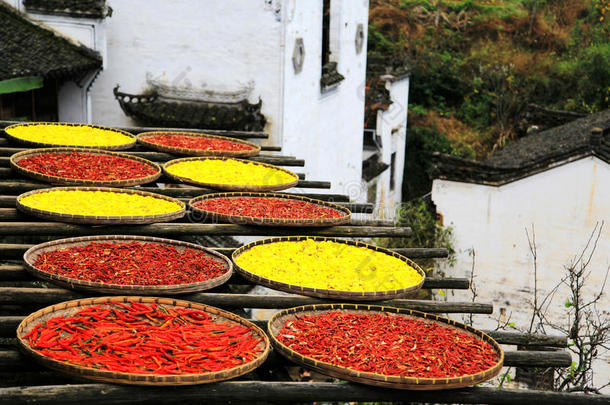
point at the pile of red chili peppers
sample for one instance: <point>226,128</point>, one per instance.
<point>87,166</point>
<point>145,339</point>
<point>131,263</point>
<point>197,142</point>
<point>266,207</point>
<point>388,344</point>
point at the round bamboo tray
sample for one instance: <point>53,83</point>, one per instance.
<point>32,254</point>
<point>142,139</point>
<point>44,144</point>
<point>325,293</point>
<point>199,213</point>
<point>70,307</point>
<point>102,220</point>
<point>232,187</point>
<point>17,157</point>
<point>381,380</point>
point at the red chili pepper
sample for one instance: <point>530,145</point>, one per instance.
<point>390,345</point>
<point>87,166</point>
<point>197,142</point>
<point>131,263</point>
<point>267,207</point>
<point>110,342</point>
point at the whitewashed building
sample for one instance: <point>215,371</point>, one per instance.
<point>555,182</point>
<point>293,68</point>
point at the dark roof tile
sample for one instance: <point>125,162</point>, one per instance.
<point>74,8</point>
<point>532,154</point>
<point>28,49</point>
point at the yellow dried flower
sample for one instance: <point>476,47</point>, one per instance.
<point>328,265</point>
<point>63,135</point>
<point>99,203</point>
<point>229,171</point>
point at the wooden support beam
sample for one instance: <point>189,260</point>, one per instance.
<point>9,251</point>
<point>8,201</point>
<point>273,160</point>
<point>13,215</point>
<point>525,339</point>
<point>263,391</point>
<point>137,130</point>
<point>8,326</point>
<point>176,229</point>
<point>13,360</point>
<point>48,296</point>
<point>4,143</point>
<point>181,191</point>
<point>18,273</point>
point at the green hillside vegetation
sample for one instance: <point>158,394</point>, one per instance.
<point>476,65</point>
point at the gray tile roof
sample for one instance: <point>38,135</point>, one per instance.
<point>531,154</point>
<point>28,49</point>
<point>73,8</point>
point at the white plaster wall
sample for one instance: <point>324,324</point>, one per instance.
<point>326,128</point>
<point>563,205</point>
<point>391,127</point>
<point>223,44</point>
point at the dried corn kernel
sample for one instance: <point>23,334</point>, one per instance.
<point>99,203</point>
<point>328,265</point>
<point>81,135</point>
<point>229,171</point>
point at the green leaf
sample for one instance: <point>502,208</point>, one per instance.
<point>441,292</point>
<point>568,304</point>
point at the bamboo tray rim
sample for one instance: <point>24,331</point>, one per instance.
<point>327,293</point>
<point>244,219</point>
<point>142,378</point>
<point>144,289</point>
<point>141,138</point>
<point>231,187</point>
<point>17,157</point>
<point>109,219</point>
<point>122,146</point>
<point>385,379</point>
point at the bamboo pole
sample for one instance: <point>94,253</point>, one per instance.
<point>177,229</point>
<point>257,391</point>
<point>47,296</point>
<point>8,326</point>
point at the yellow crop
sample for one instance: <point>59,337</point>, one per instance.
<point>99,203</point>
<point>69,135</point>
<point>229,171</point>
<point>328,265</point>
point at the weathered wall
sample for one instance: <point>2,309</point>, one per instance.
<point>218,45</point>
<point>563,205</point>
<point>325,128</point>
<point>391,127</point>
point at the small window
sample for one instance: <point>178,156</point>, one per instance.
<point>325,32</point>
<point>392,171</point>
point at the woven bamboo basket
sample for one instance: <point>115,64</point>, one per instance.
<point>199,213</point>
<point>142,138</point>
<point>70,124</point>
<point>232,187</point>
<point>381,380</point>
<point>70,307</point>
<point>102,220</point>
<point>17,157</point>
<point>325,293</point>
<point>32,254</point>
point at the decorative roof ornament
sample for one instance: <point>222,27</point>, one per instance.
<point>187,92</point>
<point>150,109</point>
